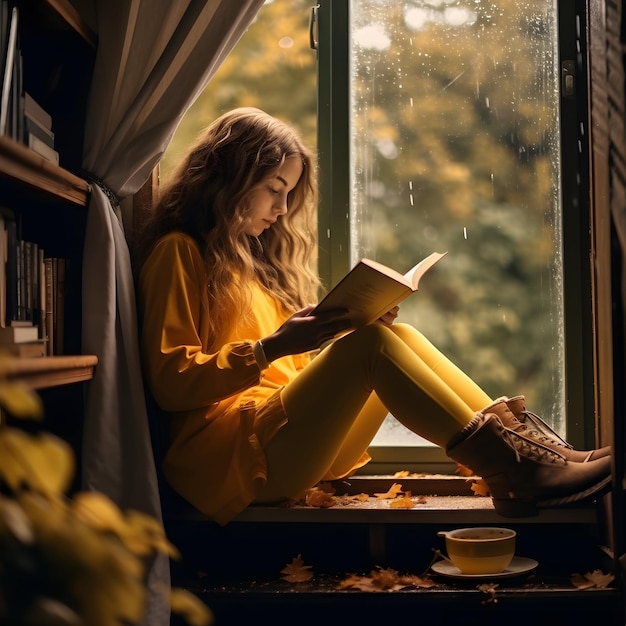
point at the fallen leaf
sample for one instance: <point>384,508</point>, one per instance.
<point>362,497</point>
<point>296,571</point>
<point>463,470</point>
<point>411,580</point>
<point>401,474</point>
<point>596,579</point>
<point>362,583</point>
<point>480,488</point>
<point>402,503</point>
<point>318,498</point>
<point>384,579</point>
<point>394,490</point>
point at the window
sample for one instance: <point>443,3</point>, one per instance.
<point>453,111</point>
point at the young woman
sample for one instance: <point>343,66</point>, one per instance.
<point>257,412</point>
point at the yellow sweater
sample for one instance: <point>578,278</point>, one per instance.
<point>215,459</point>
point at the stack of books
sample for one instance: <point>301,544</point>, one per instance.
<point>32,292</point>
<point>21,116</point>
<point>38,129</point>
<point>22,339</point>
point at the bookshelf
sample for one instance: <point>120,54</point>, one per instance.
<point>57,49</point>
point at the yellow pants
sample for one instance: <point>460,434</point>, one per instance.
<point>338,402</point>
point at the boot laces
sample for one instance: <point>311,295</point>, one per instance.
<point>537,435</point>
<point>537,432</point>
<point>531,449</point>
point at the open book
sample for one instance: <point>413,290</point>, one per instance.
<point>370,289</point>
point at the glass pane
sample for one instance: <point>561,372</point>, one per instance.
<point>455,146</point>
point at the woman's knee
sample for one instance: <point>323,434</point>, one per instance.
<point>407,332</point>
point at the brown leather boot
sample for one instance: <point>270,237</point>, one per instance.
<point>516,417</point>
<point>523,475</point>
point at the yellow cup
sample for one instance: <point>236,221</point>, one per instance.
<point>481,550</point>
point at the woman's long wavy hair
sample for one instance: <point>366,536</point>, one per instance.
<point>207,198</point>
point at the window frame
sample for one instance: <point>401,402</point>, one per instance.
<point>332,21</point>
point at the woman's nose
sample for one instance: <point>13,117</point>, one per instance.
<point>280,206</point>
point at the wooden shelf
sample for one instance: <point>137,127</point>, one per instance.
<point>72,18</point>
<point>41,372</point>
<point>27,167</point>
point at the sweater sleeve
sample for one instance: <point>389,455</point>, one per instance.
<point>181,376</point>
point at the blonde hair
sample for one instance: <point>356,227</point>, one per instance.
<point>206,198</point>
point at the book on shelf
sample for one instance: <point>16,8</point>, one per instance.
<point>42,149</point>
<point>19,333</point>
<point>370,289</point>
<point>8,65</point>
<point>34,111</point>
<point>49,304</point>
<point>33,127</point>
<point>26,350</point>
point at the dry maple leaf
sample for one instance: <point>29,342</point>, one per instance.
<point>401,474</point>
<point>596,579</point>
<point>402,503</point>
<point>386,578</point>
<point>362,583</point>
<point>362,497</point>
<point>296,571</point>
<point>411,580</point>
<point>463,470</point>
<point>394,490</point>
<point>480,488</point>
<point>319,498</point>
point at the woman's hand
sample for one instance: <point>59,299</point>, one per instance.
<point>390,317</point>
<point>303,332</point>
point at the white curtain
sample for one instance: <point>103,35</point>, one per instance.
<point>154,57</point>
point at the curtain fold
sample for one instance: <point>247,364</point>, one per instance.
<point>154,58</point>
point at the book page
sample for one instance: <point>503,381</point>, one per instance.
<point>366,293</point>
<point>417,271</point>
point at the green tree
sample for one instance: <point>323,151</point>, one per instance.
<point>272,67</point>
<point>456,120</point>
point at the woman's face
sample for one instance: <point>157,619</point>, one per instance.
<point>269,200</point>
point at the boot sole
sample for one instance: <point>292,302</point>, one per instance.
<point>530,508</point>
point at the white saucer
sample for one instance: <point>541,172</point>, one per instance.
<point>519,565</point>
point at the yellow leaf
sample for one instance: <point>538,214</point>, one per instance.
<point>190,608</point>
<point>144,535</point>
<point>20,401</point>
<point>42,462</point>
<point>321,499</point>
<point>401,474</point>
<point>480,488</point>
<point>402,503</point>
<point>394,490</point>
<point>99,512</point>
<point>463,470</point>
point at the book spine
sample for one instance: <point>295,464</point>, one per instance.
<point>11,272</point>
<point>41,271</point>
<point>59,325</point>
<point>36,112</point>
<point>32,127</point>
<point>7,69</point>
<point>36,144</point>
<point>49,283</point>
